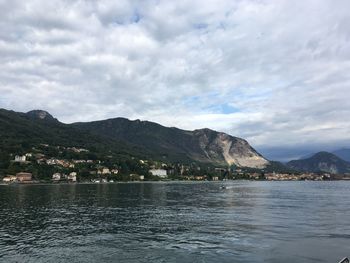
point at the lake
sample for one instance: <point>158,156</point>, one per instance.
<point>250,221</point>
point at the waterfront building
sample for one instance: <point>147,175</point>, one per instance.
<point>56,177</point>
<point>23,177</point>
<point>72,177</point>
<point>159,172</point>
<point>9,178</point>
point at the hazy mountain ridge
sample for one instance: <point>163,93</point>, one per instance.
<point>321,162</point>
<point>343,154</point>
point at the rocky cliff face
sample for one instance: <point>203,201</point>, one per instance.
<point>218,146</point>
<point>41,115</point>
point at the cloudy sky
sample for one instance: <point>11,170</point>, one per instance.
<point>273,72</point>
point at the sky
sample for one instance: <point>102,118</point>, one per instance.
<point>273,72</point>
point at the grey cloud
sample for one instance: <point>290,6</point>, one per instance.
<point>283,65</point>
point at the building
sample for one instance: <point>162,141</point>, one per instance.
<point>114,171</point>
<point>254,176</point>
<point>215,178</point>
<point>72,177</point>
<point>159,172</point>
<point>39,155</point>
<point>9,178</point>
<point>52,161</point>
<point>136,177</point>
<point>24,177</point>
<point>103,171</point>
<point>20,158</point>
<point>6,179</point>
<point>56,177</point>
<point>77,150</point>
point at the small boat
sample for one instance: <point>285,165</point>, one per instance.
<point>223,187</point>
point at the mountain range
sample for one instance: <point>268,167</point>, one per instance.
<point>146,139</point>
<point>203,145</point>
<point>133,138</point>
<point>321,162</point>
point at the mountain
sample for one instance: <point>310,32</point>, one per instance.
<point>203,145</point>
<point>343,154</point>
<point>20,130</point>
<point>134,138</point>
<point>307,156</point>
<point>321,162</point>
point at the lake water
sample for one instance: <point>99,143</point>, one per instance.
<point>176,222</point>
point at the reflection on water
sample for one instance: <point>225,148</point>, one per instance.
<point>176,222</point>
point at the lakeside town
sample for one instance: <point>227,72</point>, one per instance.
<point>58,164</point>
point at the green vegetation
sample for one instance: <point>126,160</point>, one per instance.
<point>130,148</point>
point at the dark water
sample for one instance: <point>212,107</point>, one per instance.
<point>176,222</point>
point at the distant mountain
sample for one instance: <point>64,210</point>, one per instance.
<point>343,154</point>
<point>133,138</point>
<point>321,162</point>
<point>203,145</point>
<point>307,156</point>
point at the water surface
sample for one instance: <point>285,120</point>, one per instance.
<point>176,222</point>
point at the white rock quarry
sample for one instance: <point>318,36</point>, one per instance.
<point>231,150</point>
<point>240,153</point>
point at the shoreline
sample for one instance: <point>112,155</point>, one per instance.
<point>163,182</point>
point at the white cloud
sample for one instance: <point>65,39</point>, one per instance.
<point>274,72</point>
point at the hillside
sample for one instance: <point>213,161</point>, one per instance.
<point>321,162</point>
<point>203,145</point>
<point>20,130</point>
<point>133,138</point>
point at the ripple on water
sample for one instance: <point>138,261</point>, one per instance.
<point>175,222</point>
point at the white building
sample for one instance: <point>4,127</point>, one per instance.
<point>9,178</point>
<point>52,161</point>
<point>159,172</point>
<point>6,179</point>
<point>19,158</point>
<point>114,171</point>
<point>103,171</point>
<point>56,177</point>
<point>72,177</point>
